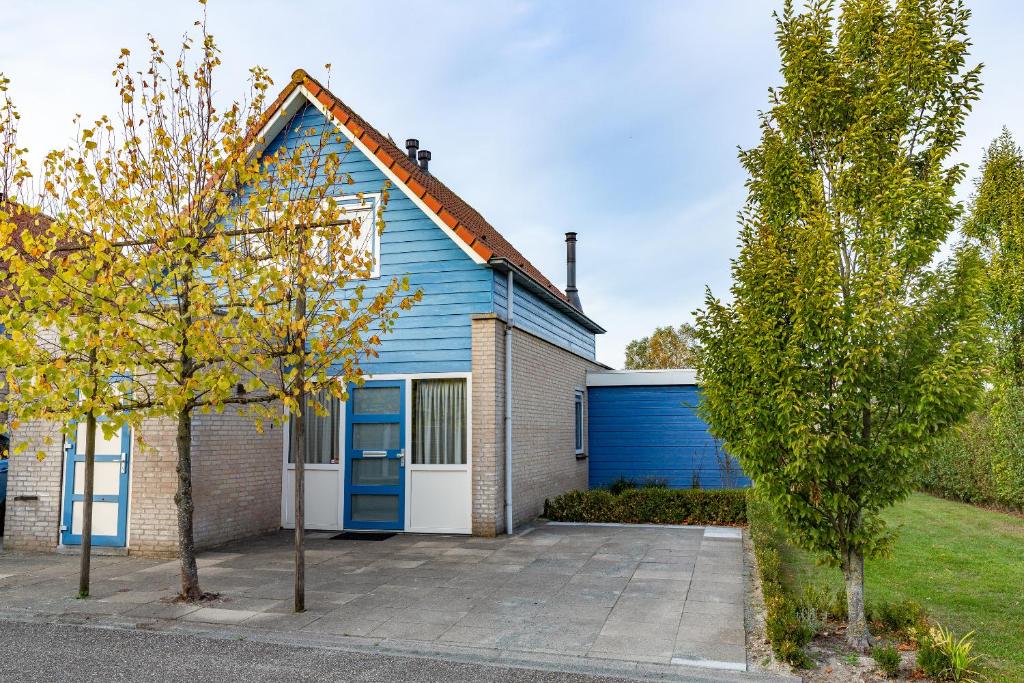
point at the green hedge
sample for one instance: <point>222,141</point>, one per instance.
<point>982,461</point>
<point>652,505</point>
<point>785,628</point>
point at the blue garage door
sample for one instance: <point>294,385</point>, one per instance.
<point>654,433</point>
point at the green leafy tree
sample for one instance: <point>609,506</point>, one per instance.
<point>996,224</point>
<point>667,347</point>
<point>847,349</point>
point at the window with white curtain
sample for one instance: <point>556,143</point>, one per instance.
<point>321,432</point>
<point>439,422</point>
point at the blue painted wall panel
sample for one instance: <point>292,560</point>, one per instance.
<point>536,317</point>
<point>653,432</point>
<point>435,335</point>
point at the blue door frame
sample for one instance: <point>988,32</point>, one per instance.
<point>70,497</point>
<point>386,459</point>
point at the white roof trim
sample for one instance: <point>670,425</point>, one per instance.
<point>641,378</point>
<point>288,107</point>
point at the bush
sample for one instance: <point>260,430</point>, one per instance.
<point>898,617</point>
<point>789,624</point>
<point>621,484</point>
<point>650,505</point>
<point>982,461</point>
<point>888,659</point>
<point>942,656</point>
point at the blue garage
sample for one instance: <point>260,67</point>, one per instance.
<point>644,426</point>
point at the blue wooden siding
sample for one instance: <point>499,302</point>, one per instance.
<point>536,317</point>
<point>435,335</point>
<point>652,432</point>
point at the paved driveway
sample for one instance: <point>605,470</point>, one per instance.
<point>660,595</point>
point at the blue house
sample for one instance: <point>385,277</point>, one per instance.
<point>474,413</point>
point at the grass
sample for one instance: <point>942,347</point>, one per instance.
<point>963,563</point>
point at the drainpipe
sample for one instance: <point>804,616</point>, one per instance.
<point>508,406</point>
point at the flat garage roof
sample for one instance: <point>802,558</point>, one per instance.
<point>642,378</point>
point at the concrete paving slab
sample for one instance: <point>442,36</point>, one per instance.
<point>597,596</point>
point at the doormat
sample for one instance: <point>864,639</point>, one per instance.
<point>362,536</point>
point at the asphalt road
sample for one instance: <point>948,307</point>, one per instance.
<point>47,652</point>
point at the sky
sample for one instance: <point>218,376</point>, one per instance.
<point>618,120</point>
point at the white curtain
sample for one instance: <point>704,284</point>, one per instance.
<point>321,432</point>
<point>439,422</point>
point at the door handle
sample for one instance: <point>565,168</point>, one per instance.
<point>123,456</point>
<point>401,458</point>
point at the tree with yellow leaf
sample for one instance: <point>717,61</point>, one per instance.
<point>234,271</point>
<point>311,276</point>
<point>60,313</point>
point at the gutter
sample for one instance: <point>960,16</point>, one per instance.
<point>509,325</point>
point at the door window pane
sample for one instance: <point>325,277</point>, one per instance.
<point>375,472</point>
<point>104,518</point>
<point>375,436</point>
<point>321,431</point>
<point>439,422</point>
<point>370,508</point>
<point>377,400</point>
<point>106,478</point>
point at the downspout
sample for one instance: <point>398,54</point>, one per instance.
<point>510,323</point>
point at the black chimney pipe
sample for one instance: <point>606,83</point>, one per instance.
<point>411,145</point>
<point>570,267</point>
<point>424,157</point>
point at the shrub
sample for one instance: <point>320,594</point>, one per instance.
<point>888,659</point>
<point>823,601</point>
<point>942,656</point>
<point>982,461</point>
<point>788,630</point>
<point>650,505</point>
<point>899,616</point>
<point>621,484</point>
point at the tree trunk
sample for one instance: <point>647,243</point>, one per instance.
<point>186,507</point>
<point>299,450</point>
<point>90,468</point>
<point>857,636</point>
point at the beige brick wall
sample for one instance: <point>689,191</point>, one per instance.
<point>236,474</point>
<point>33,522</point>
<point>152,514</point>
<point>544,463</point>
<point>236,485</point>
<point>488,365</point>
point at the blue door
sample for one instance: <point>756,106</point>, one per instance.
<point>110,488</point>
<point>375,456</point>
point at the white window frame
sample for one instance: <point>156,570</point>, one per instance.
<point>578,435</point>
<point>362,206</point>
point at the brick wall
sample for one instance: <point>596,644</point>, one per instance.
<point>236,475</point>
<point>152,514</point>
<point>34,524</point>
<point>488,425</point>
<point>544,463</point>
<point>545,378</point>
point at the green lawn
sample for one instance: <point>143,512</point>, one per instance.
<point>964,564</point>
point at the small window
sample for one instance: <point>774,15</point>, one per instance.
<point>439,422</point>
<point>578,414</point>
<point>321,432</point>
